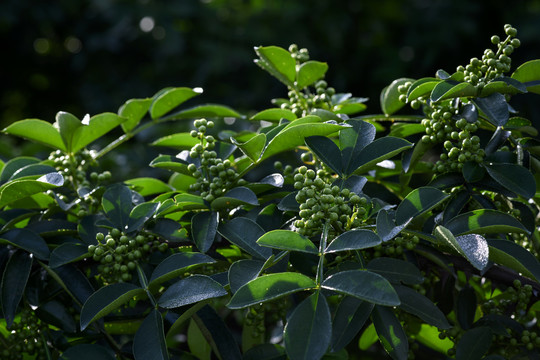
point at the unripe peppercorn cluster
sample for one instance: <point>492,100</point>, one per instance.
<point>267,312</point>
<point>215,176</point>
<point>397,246</point>
<point>117,253</point>
<point>320,202</point>
<point>25,338</point>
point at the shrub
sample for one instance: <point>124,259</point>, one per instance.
<point>307,232</point>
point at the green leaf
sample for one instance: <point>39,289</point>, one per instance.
<point>38,131</point>
<point>204,227</point>
<point>98,126</point>
<point>474,343</point>
<point>133,110</point>
<point>391,334</point>
<point>269,287</point>
<point>396,270</point>
<point>179,141</point>
<point>252,148</point>
<point>149,341</point>
<point>327,151</point>
<point>14,279</point>
<point>168,99</point>
<point>204,111</point>
<point>294,135</point>
<point>117,204</point>
<point>419,305</point>
<point>403,130</point>
<point>140,214</point>
<point>274,115</point>
<point>466,307</point>
<point>176,264</point>
<point>309,72</point>
<point>503,85</point>
<point>421,87</point>
<point>451,89</point>
<point>172,163</point>
<point>308,330</point>
<point>495,108</point>
<point>243,271</point>
<point>56,314</point>
<point>107,299</point>
<point>237,196</point>
<point>368,338</point>
<point>379,150</point>
<point>473,247</point>
<point>190,202</point>
<point>386,227</point>
<point>484,221</point>
<point>355,239</point>
<point>87,352</point>
<point>278,62</point>
<point>148,186</point>
<point>352,140</point>
<point>528,73</point>
<point>417,202</point>
<point>265,352</point>
<point>244,232</point>
<point>515,178</point>
<point>67,253</point>
<point>197,343</point>
<point>287,240</point>
<point>67,125</point>
<point>514,256</point>
<point>16,164</point>
<point>27,240</point>
<point>73,281</point>
<point>32,171</point>
<point>429,336</point>
<point>390,97</point>
<point>351,315</point>
<point>20,189</point>
<point>190,290</point>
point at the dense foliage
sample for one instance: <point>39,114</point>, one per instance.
<point>305,231</point>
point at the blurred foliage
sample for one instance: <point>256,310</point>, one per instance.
<point>89,56</point>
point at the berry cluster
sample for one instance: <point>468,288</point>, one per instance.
<point>320,202</point>
<point>215,176</point>
<point>270,312</point>
<point>118,252</point>
<point>397,246</point>
<point>25,338</point>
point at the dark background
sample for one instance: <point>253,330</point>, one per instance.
<point>91,56</point>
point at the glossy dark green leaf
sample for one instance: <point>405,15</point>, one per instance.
<point>503,85</point>
<point>379,150</point>
<point>403,130</point>
<point>327,151</point>
<point>421,87</point>
<point>307,334</point>
<point>189,202</point>
<point>32,171</point>
<point>14,279</point>
<point>134,111</point>
<point>469,113</point>
<point>386,227</point>
<point>390,331</point>
<point>176,264</point>
<point>363,284</point>
<point>449,89</point>
<point>351,142</point>
<point>515,178</point>
<point>355,239</point>
<point>55,313</point>
<point>418,202</point>
<point>455,205</point>
<point>117,204</point>
<point>237,196</point>
<point>243,271</point>
<point>190,290</point>
<point>495,108</point>
<point>244,233</point>
<point>39,131</point>
<point>474,343</point>
<point>87,352</point>
<point>396,270</point>
<point>473,171</point>
<point>253,148</point>
<point>167,100</point>
<point>66,253</point>
<point>417,304</point>
<point>484,221</point>
<point>149,341</point>
<point>514,256</point>
<point>289,203</point>
<point>22,188</point>
<point>140,214</point>
<point>274,115</point>
<point>107,299</point>
<point>73,281</point>
<point>473,247</point>
<point>200,111</point>
<point>204,228</point>
<point>389,98</point>
<point>278,62</point>
<point>528,73</point>
<point>466,307</point>
<point>265,352</point>
<point>16,164</point>
<point>351,315</point>
<point>309,72</point>
<point>27,240</point>
<point>268,287</point>
<point>287,240</point>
